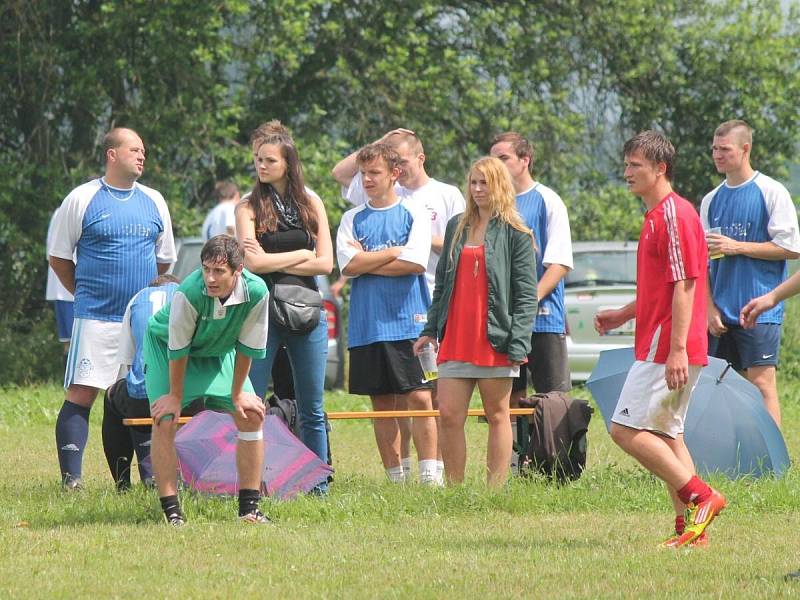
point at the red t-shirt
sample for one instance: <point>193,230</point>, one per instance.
<point>466,336</point>
<point>672,247</point>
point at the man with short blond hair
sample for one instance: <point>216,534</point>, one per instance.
<point>120,233</point>
<point>752,229</point>
<point>383,244</point>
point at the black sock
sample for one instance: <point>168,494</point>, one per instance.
<point>171,507</point>
<point>248,501</point>
<point>72,431</point>
<point>117,445</point>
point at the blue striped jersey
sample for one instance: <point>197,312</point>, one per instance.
<point>544,212</point>
<point>118,237</point>
<point>383,308</point>
<point>142,306</point>
<point>758,210</point>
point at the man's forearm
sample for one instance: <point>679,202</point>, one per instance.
<point>549,280</point>
<point>241,367</point>
<point>367,262</point>
<point>682,304</point>
<point>162,267</point>
<point>177,375</point>
<point>398,268</point>
<point>65,271</point>
<point>764,251</point>
<point>346,169</point>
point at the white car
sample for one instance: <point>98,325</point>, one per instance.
<point>604,276</point>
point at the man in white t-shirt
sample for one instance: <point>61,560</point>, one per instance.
<point>443,202</point>
<point>62,300</point>
<point>221,219</point>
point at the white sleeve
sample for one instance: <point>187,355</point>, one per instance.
<point>704,206</point>
<point>165,243</point>
<point>127,345</point>
<point>344,251</point>
<point>229,215</point>
<point>782,225</point>
<point>559,239</point>
<point>182,322</point>
<point>68,223</point>
<point>355,193</point>
<point>417,248</point>
<point>255,327</point>
<point>455,203</point>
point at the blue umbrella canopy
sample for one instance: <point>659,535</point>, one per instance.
<point>728,430</point>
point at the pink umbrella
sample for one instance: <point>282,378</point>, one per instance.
<point>206,449</point>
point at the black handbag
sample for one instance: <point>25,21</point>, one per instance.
<point>294,307</point>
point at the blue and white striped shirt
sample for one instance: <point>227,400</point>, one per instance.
<point>383,308</point>
<point>118,237</point>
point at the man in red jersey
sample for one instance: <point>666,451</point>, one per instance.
<point>671,342</point>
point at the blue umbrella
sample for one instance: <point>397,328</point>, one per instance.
<point>728,430</point>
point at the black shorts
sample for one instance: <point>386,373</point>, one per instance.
<point>385,368</point>
<point>745,348</point>
<point>548,365</point>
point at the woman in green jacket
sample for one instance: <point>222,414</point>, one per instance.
<point>480,320</point>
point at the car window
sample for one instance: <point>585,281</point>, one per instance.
<point>602,267</point>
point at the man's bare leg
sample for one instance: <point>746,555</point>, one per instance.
<point>763,377</point>
<point>387,436</point>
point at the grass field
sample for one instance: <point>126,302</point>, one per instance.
<point>595,538</point>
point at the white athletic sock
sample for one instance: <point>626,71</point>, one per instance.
<point>395,474</point>
<point>429,473</point>
<point>406,463</point>
<point>440,467</point>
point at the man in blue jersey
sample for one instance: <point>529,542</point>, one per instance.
<point>544,212</point>
<point>127,398</point>
<point>443,201</point>
<point>384,245</point>
<point>121,235</point>
<point>751,230</point>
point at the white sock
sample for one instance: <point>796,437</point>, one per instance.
<point>440,467</point>
<point>428,471</point>
<point>395,474</point>
<point>406,463</point>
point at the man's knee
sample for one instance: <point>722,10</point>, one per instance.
<point>419,400</point>
<point>621,435</point>
<point>82,395</point>
<point>253,423</point>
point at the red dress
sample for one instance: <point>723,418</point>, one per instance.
<point>466,333</point>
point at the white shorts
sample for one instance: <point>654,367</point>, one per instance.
<point>647,403</point>
<point>92,358</point>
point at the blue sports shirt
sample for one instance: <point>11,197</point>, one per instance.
<point>384,308</point>
<point>544,212</point>
<point>758,210</point>
<point>142,306</point>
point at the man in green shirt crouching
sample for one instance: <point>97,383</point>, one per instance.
<point>200,346</point>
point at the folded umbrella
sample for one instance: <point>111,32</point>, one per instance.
<point>206,449</point>
<point>727,428</point>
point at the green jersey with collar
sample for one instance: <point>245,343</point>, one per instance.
<point>198,325</point>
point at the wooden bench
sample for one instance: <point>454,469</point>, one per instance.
<point>366,414</point>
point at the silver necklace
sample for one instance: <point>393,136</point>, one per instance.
<point>111,191</point>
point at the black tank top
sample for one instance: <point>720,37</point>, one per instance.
<point>286,239</point>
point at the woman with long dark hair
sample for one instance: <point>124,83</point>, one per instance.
<point>284,231</point>
<point>480,319</point>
